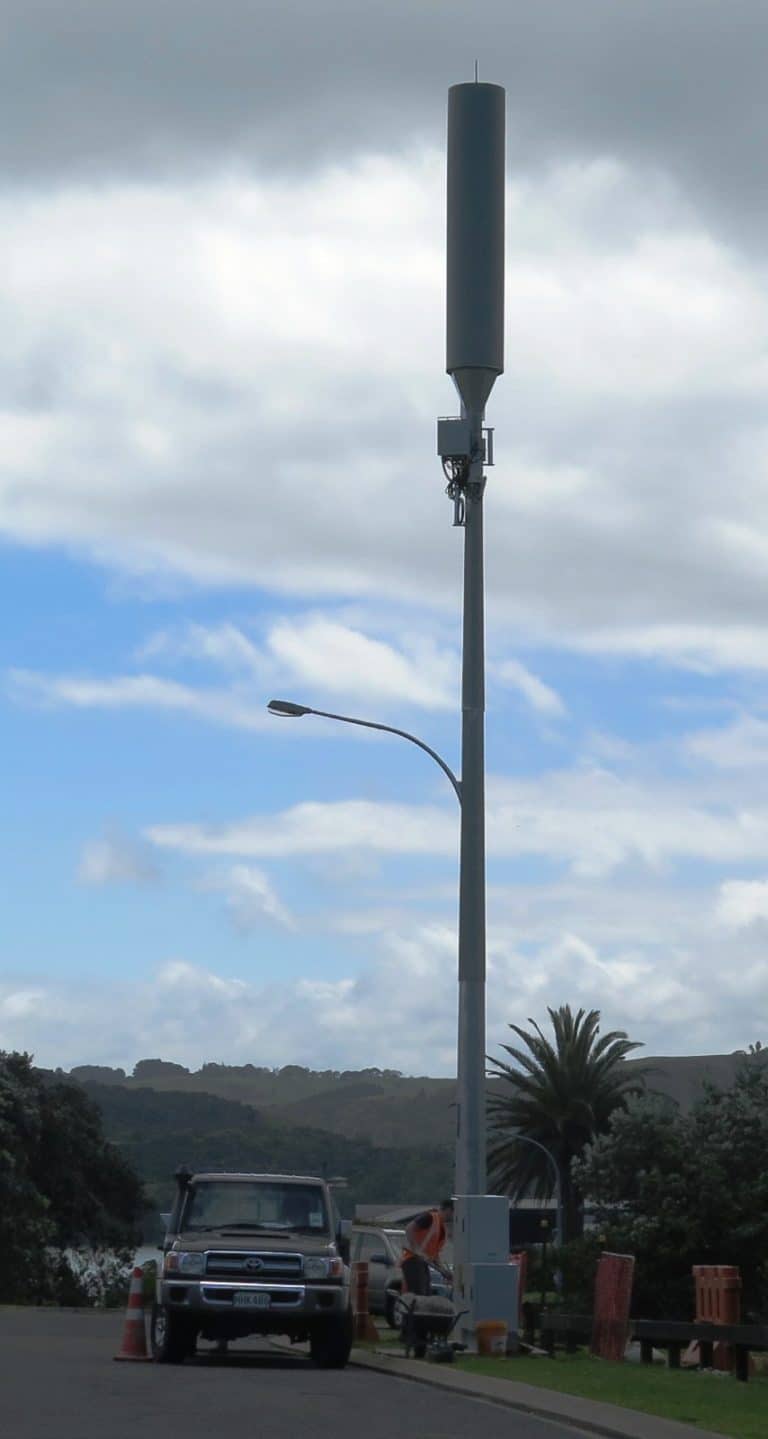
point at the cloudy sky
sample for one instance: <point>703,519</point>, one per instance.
<point>221,359</point>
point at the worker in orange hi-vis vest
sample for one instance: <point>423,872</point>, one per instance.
<point>425,1239</point>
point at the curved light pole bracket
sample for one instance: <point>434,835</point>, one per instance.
<point>404,734</point>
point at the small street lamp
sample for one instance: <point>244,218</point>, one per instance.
<point>560,1223</point>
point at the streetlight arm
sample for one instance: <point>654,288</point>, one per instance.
<point>391,729</point>
<point>526,1139</point>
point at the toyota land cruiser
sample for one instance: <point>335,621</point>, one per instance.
<point>253,1254</point>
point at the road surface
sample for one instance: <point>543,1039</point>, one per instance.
<point>58,1381</point>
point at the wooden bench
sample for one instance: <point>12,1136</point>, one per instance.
<point>669,1334</point>
<point>575,1329</point>
<point>743,1339</point>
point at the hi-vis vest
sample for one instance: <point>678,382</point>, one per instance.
<point>434,1237</point>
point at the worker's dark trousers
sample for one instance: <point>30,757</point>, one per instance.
<point>416,1275</point>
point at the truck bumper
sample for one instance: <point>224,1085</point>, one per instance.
<point>262,1305</point>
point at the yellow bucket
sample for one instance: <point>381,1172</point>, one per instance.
<point>492,1338</point>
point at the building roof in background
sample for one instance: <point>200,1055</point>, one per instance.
<point>390,1216</point>
<point>394,1216</point>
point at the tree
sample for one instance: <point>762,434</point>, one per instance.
<point>25,1226</point>
<point>560,1095</point>
<point>677,1190</point>
<point>60,1181</point>
<point>93,1194</point>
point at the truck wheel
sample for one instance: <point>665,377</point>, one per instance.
<point>392,1309</point>
<point>330,1346</point>
<point>170,1337</point>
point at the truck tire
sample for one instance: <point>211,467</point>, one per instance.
<point>392,1308</point>
<point>330,1346</point>
<point>170,1336</point>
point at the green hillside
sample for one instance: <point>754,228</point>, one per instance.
<point>156,1131</point>
<point>381,1107</point>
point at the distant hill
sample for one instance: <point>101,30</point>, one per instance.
<point>682,1077</point>
<point>381,1107</point>
<point>419,1116</point>
<point>159,1130</point>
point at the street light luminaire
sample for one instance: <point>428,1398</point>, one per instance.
<point>288,709</point>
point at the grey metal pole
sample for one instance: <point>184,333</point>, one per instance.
<point>474,358</point>
<point>471,1118</point>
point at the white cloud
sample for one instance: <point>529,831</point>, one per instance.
<point>224,645</point>
<point>338,659</point>
<point>115,859</point>
<point>251,896</point>
<point>331,657</point>
<point>397,1008</point>
<point>742,901</point>
<point>539,695</point>
<point>262,418</point>
<point>703,648</point>
<point>589,819</point>
<point>226,707</point>
<point>21,1004</point>
<point>741,745</point>
<point>311,828</point>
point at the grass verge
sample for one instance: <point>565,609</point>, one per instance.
<point>719,1404</point>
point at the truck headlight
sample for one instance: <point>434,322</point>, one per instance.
<point>184,1262</point>
<point>316,1268</point>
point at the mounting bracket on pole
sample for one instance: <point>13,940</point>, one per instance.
<point>454,446</point>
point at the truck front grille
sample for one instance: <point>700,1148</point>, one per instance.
<point>252,1265</point>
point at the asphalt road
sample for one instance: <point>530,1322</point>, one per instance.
<point>58,1381</point>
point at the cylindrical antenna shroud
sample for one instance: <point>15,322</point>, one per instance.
<point>475,240</point>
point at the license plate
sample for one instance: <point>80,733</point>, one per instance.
<point>251,1299</point>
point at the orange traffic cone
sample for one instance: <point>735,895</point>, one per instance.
<point>134,1345</point>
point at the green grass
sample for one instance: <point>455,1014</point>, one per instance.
<point>388,1339</point>
<point>722,1405</point>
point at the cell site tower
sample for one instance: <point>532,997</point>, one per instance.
<point>485,1283</point>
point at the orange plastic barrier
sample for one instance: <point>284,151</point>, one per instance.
<point>718,1293</point>
<point>364,1325</point>
<point>613,1293</point>
<point>718,1301</point>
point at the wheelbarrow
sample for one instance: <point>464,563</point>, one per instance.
<point>425,1327</point>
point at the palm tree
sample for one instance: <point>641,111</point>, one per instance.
<point>561,1096</point>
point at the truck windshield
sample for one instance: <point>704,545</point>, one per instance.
<point>249,1204</point>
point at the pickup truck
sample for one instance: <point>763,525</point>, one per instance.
<point>253,1254</point>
